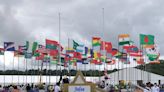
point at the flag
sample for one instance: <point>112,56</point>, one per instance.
<point>131,48</point>
<point>97,55</point>
<point>153,53</point>
<point>34,46</point>
<point>42,49</point>
<point>96,41</point>
<point>80,49</point>
<point>36,53</point>
<point>2,51</point>
<point>124,39</point>
<point>75,45</point>
<point>52,45</point>
<point>9,46</point>
<point>77,55</point>
<point>139,60</point>
<point>28,55</point>
<point>110,61</point>
<point>40,57</point>
<point>146,40</point>
<point>106,46</point>
<point>46,59</point>
<point>136,54</point>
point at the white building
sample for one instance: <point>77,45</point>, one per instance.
<point>132,75</point>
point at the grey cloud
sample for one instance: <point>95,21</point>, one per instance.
<point>34,17</point>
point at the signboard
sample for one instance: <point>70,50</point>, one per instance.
<point>79,89</point>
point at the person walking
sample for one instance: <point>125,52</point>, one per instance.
<point>155,88</point>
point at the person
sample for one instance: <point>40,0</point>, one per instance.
<point>15,89</point>
<point>147,88</point>
<point>28,88</point>
<point>65,80</point>
<point>1,88</point>
<point>155,88</point>
<point>57,87</point>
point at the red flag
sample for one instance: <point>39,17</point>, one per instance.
<point>41,57</point>
<point>53,52</point>
<point>108,46</point>
<point>77,55</point>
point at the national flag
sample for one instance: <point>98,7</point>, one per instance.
<point>42,49</point>
<point>131,48</point>
<point>96,41</point>
<point>36,53</point>
<point>80,49</point>
<point>106,46</point>
<point>46,59</point>
<point>153,53</point>
<point>97,55</point>
<point>110,61</point>
<point>77,55</point>
<point>75,45</point>
<point>17,53</point>
<point>51,44</point>
<point>28,55</point>
<point>2,51</point>
<point>139,60</point>
<point>96,62</point>
<point>34,46</point>
<point>9,46</point>
<point>53,53</point>
<point>124,39</point>
<point>136,54</point>
<point>40,57</point>
<point>146,40</point>
<point>114,51</point>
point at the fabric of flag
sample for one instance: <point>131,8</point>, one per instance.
<point>42,49</point>
<point>146,40</point>
<point>97,55</point>
<point>136,54</point>
<point>77,55</point>
<point>28,55</point>
<point>96,41</point>
<point>152,53</point>
<point>9,46</point>
<point>51,44</point>
<point>36,53</point>
<point>96,62</point>
<point>103,58</point>
<point>106,46</point>
<point>131,48</point>
<point>114,51</point>
<point>2,51</point>
<point>110,61</point>
<point>80,49</point>
<point>46,59</point>
<point>27,45</point>
<point>40,57</point>
<point>139,60</point>
<point>75,45</point>
<point>34,46</point>
<point>124,39</point>
<point>17,53</point>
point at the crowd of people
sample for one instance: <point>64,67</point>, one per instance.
<point>36,88</point>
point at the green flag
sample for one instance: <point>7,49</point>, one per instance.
<point>34,46</point>
<point>27,45</point>
<point>146,39</point>
<point>75,45</point>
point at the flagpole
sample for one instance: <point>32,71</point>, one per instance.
<point>4,68</point>
<point>26,70</point>
<point>18,68</point>
<point>59,39</point>
<point>118,64</point>
<point>13,69</point>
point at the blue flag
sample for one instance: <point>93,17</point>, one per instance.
<point>9,46</point>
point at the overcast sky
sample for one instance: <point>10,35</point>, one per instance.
<point>36,20</point>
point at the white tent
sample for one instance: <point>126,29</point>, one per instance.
<point>132,75</point>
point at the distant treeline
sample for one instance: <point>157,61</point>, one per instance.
<point>54,72</point>
<point>153,68</point>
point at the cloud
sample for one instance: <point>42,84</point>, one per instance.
<point>36,20</point>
